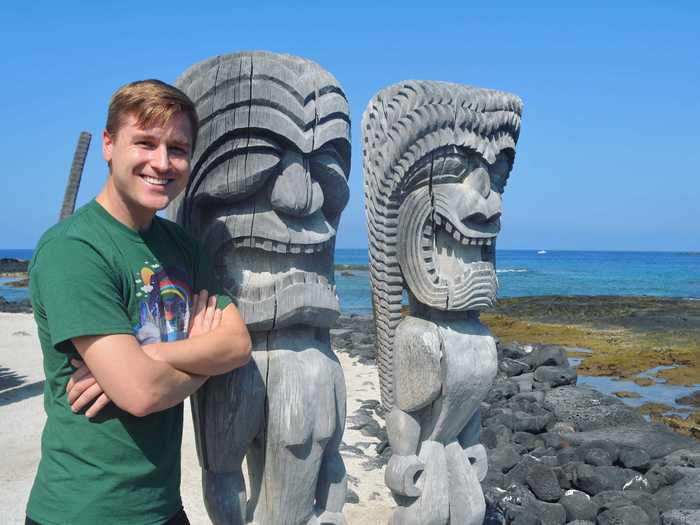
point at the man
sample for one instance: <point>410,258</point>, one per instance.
<point>122,330</point>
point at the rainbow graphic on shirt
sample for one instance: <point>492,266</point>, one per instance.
<point>164,304</point>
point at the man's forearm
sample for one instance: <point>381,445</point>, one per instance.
<point>171,386</point>
<point>142,379</point>
<point>213,353</point>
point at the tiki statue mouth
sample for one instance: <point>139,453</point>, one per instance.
<point>448,255</point>
<point>277,285</point>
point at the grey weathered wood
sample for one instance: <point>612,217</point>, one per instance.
<point>436,159</point>
<point>268,184</point>
<point>76,173</point>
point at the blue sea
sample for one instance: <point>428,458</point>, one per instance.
<point>527,272</point>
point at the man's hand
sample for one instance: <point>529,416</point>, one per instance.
<point>83,388</point>
<point>205,315</point>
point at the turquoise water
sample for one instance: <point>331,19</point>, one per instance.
<point>525,272</point>
<point>8,292</point>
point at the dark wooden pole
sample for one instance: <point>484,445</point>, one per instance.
<point>76,172</point>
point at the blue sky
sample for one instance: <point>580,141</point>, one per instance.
<point>608,154</point>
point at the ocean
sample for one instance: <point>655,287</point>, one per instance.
<point>526,272</point>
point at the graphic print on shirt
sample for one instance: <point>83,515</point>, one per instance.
<point>164,304</point>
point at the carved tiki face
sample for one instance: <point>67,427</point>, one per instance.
<point>269,182</point>
<point>449,228</point>
<point>450,149</point>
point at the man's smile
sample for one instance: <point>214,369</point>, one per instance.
<point>156,181</point>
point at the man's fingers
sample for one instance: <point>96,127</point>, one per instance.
<point>200,310</point>
<point>195,301</point>
<point>98,405</point>
<point>79,387</point>
<point>88,395</point>
<point>76,376</point>
<point>218,314</point>
<point>209,314</point>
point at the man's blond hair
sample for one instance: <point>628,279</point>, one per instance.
<point>152,102</point>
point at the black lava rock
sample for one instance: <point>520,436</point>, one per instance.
<point>503,459</point>
<point>519,473</point>
<point>578,506</point>
<point>513,367</point>
<point>543,482</point>
<point>593,480</point>
<point>549,513</point>
<point>587,409</point>
<point>14,307</point>
<point>556,375</point>
<point>500,391</point>
<point>628,515</point>
<point>634,458</point>
<point>683,494</point>
<point>623,498</point>
<point>597,457</point>
<point>545,355</point>
<point>496,435</point>
<point>529,441</point>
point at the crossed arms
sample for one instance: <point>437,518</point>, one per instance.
<point>149,378</point>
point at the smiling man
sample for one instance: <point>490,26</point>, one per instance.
<point>127,327</point>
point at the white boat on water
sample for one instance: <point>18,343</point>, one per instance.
<point>541,252</point>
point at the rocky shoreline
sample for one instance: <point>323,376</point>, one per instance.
<point>558,453</point>
<point>11,267</point>
<point>14,307</point>
<point>626,335</point>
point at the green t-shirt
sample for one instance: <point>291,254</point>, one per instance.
<point>92,275</point>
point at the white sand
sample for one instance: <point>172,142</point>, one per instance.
<point>22,419</point>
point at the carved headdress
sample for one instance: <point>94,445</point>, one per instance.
<point>436,158</point>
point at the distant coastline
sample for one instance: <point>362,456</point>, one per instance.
<point>521,273</point>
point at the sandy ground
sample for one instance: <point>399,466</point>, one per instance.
<point>22,418</point>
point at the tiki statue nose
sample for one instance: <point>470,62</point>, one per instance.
<point>294,190</point>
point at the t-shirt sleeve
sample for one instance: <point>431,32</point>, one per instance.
<point>205,278</point>
<point>79,293</point>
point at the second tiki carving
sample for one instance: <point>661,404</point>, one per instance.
<point>436,160</point>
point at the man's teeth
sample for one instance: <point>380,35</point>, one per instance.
<point>155,180</point>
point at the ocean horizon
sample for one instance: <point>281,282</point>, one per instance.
<point>523,273</point>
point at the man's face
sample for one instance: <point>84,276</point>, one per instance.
<point>149,166</point>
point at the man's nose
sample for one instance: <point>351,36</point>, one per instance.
<point>159,159</point>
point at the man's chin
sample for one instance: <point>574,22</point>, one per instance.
<point>156,203</point>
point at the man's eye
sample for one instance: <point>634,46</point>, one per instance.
<point>145,144</point>
<point>178,151</point>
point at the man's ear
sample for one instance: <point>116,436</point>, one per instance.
<point>107,146</point>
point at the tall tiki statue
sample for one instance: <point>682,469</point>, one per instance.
<point>268,184</point>
<point>436,160</point>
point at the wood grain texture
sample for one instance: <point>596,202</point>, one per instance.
<point>268,185</point>
<point>436,158</point>
<point>76,173</point>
